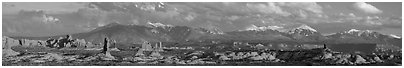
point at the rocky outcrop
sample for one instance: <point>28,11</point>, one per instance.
<point>68,42</point>
<point>22,42</point>
<point>81,43</point>
<point>343,59</point>
<point>377,59</point>
<point>62,42</point>
<point>267,56</point>
<point>106,54</point>
<point>7,44</point>
<point>360,60</point>
<point>31,43</point>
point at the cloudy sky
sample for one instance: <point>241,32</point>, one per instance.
<point>46,19</point>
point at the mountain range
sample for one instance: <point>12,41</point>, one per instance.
<point>157,32</point>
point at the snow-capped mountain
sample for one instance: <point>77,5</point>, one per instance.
<point>305,33</point>
<point>363,36</point>
<point>159,25</point>
<point>261,28</point>
<point>394,36</point>
<point>366,34</point>
<point>215,31</point>
<point>303,29</point>
<point>361,32</point>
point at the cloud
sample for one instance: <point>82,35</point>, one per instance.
<point>308,6</point>
<point>50,19</point>
<point>366,8</point>
<point>49,7</point>
<point>38,23</point>
<point>269,8</point>
<point>285,8</point>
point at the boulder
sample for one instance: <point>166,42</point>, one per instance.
<point>271,57</point>
<point>254,53</point>
<point>232,54</point>
<point>224,58</point>
<point>194,57</point>
<point>140,52</point>
<point>240,54</point>
<point>391,57</point>
<point>247,54</point>
<point>155,54</point>
<point>377,59</point>
<point>360,60</point>
<point>68,45</point>
<point>327,56</point>
<point>344,59</point>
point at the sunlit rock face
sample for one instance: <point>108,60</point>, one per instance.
<point>7,44</point>
<point>31,43</point>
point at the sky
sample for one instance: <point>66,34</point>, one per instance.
<point>57,18</point>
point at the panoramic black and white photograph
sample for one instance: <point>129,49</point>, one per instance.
<point>201,34</point>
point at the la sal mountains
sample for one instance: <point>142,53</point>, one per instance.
<point>158,32</point>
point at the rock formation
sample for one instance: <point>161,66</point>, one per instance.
<point>377,59</point>
<point>106,55</point>
<point>66,41</point>
<point>139,52</point>
<point>344,59</point>
<point>31,43</point>
<point>146,47</point>
<point>7,44</point>
<point>360,60</point>
<point>155,54</point>
<point>272,56</point>
<point>327,56</point>
<point>224,58</point>
<point>62,42</point>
